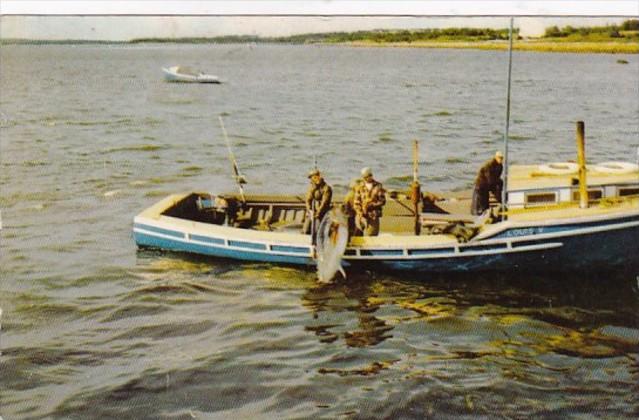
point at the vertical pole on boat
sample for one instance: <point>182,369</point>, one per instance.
<point>504,192</point>
<point>415,159</point>
<point>415,189</point>
<point>312,216</point>
<point>581,161</point>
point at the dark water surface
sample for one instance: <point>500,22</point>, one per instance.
<point>93,328</point>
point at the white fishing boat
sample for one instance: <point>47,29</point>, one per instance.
<point>561,216</point>
<point>545,228</point>
<point>188,75</point>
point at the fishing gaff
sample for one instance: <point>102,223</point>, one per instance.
<point>239,178</point>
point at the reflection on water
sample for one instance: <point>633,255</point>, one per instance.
<point>196,335</point>
<point>355,298</point>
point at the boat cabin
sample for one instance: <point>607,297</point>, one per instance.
<point>546,185</point>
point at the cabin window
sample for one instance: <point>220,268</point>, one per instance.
<point>592,195</point>
<point>628,191</point>
<point>541,198</point>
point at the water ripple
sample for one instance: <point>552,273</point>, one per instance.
<point>93,329</point>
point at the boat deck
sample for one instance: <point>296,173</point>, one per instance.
<point>281,217</point>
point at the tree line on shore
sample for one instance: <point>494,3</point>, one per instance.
<point>380,36</point>
<point>628,29</point>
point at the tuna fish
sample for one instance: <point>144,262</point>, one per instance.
<point>332,237</point>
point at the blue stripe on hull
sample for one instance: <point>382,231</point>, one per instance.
<point>247,255</point>
<point>163,231</point>
<point>493,262</point>
<point>599,250</point>
<point>538,230</point>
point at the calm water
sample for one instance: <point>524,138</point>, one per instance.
<point>93,328</point>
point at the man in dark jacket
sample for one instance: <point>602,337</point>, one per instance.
<point>318,201</point>
<point>488,180</point>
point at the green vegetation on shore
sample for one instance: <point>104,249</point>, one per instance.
<point>628,30</point>
<point>522,45</point>
<point>622,38</point>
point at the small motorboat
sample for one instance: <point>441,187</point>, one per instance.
<point>188,75</point>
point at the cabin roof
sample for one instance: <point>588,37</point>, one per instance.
<point>525,177</point>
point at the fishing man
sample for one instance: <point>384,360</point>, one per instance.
<point>318,201</point>
<point>488,180</point>
<point>369,200</point>
<point>348,208</point>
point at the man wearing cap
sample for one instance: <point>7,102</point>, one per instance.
<point>318,201</point>
<point>369,199</point>
<point>488,180</point>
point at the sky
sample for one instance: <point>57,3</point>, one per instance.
<point>56,20</point>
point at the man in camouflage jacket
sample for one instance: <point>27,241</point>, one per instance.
<point>369,200</point>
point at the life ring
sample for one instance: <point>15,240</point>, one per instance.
<point>558,168</point>
<point>616,168</point>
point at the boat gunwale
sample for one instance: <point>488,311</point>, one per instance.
<point>523,224</point>
<point>200,77</point>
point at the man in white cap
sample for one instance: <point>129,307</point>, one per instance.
<point>318,201</point>
<point>368,202</point>
<point>488,180</point>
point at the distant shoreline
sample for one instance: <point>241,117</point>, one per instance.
<point>519,45</point>
<point>536,45</point>
<point>540,45</point>
<point>611,39</point>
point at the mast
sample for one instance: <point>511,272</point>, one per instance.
<point>504,193</point>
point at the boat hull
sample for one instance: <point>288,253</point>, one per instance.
<point>610,243</point>
<point>171,75</point>
<point>595,251</point>
<point>145,239</point>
